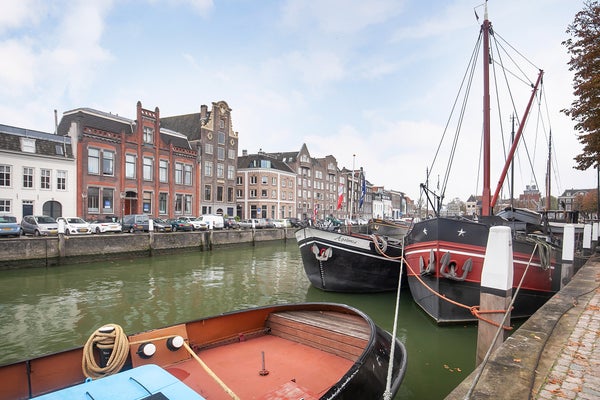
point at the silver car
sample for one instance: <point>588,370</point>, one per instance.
<point>39,225</point>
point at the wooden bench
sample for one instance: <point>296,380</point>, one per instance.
<point>344,335</point>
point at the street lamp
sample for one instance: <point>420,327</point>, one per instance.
<point>84,196</point>
<point>122,196</point>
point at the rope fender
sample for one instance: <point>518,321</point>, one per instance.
<point>107,337</point>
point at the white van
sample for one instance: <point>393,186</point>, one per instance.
<point>214,221</point>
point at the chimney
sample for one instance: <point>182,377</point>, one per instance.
<point>55,122</point>
<point>203,111</point>
<point>244,152</point>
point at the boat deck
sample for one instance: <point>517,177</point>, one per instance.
<point>288,351</point>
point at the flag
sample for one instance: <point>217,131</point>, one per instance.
<point>340,196</point>
<point>363,189</point>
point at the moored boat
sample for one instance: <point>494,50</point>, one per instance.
<point>445,255</point>
<point>291,351</point>
<point>350,262</point>
<point>384,227</point>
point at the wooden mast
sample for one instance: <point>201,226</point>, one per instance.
<point>485,201</point>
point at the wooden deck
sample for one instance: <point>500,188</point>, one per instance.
<point>305,354</point>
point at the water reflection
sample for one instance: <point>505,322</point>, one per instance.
<point>47,310</point>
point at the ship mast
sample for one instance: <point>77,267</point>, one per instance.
<point>485,200</point>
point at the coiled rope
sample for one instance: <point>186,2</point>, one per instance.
<point>105,338</point>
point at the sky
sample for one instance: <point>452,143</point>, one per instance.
<point>369,82</point>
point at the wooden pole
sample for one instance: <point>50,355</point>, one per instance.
<point>496,289</point>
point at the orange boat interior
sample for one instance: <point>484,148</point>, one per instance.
<point>255,355</point>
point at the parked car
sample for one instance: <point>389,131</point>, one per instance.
<point>198,225</point>
<point>252,223</point>
<point>160,225</point>
<point>39,225</point>
<point>231,223</point>
<point>295,222</point>
<point>180,225</point>
<point>9,226</point>
<point>281,223</point>
<point>135,223</point>
<point>216,221</point>
<point>105,223</point>
<point>75,226</point>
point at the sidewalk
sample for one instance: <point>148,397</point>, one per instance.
<point>555,354</point>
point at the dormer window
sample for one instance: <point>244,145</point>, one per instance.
<point>28,145</point>
<point>59,150</point>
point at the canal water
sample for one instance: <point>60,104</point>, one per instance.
<point>45,310</point>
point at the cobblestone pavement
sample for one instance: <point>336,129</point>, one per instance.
<point>576,372</point>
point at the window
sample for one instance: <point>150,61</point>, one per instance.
<point>207,168</point>
<point>208,148</point>
<point>45,179</point>
<point>219,193</point>
<point>187,175</point>
<point>178,203</point>
<point>231,154</point>
<point>108,201</point>
<point>27,177</point>
<point>240,193</point>
<point>93,199</point>
<point>5,175</point>
<point>61,180</point>
<point>220,170</point>
<point>130,166</point>
<point>220,153</point>
<point>229,194</point>
<point>178,173</point>
<point>221,137</point>
<point>162,203</point>
<point>108,162</point>
<point>253,180</point>
<point>148,134</point>
<point>93,161</point>
<point>60,151</point>
<point>207,192</point>
<point>221,124</point>
<point>148,167</point>
<point>163,170</point>
<point>273,194</point>
<point>188,204</point>
<point>230,172</point>
<point>252,193</point>
<point>147,203</point>
<point>239,180</point>
<point>274,181</point>
<point>263,193</point>
<point>5,206</point>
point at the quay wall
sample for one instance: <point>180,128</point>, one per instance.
<point>28,252</point>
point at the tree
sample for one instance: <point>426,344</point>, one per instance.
<point>584,48</point>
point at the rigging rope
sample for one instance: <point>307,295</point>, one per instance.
<point>113,340</point>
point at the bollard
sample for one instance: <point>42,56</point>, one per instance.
<point>496,288</point>
<point>594,236</point>
<point>587,240</point>
<point>568,254</point>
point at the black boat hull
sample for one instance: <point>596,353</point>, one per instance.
<point>339,262</point>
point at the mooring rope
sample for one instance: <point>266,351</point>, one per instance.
<point>105,338</point>
<point>387,395</point>
<point>475,310</point>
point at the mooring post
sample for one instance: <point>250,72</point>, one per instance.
<point>587,240</point>
<point>496,289</point>
<point>568,254</point>
<point>594,236</point>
